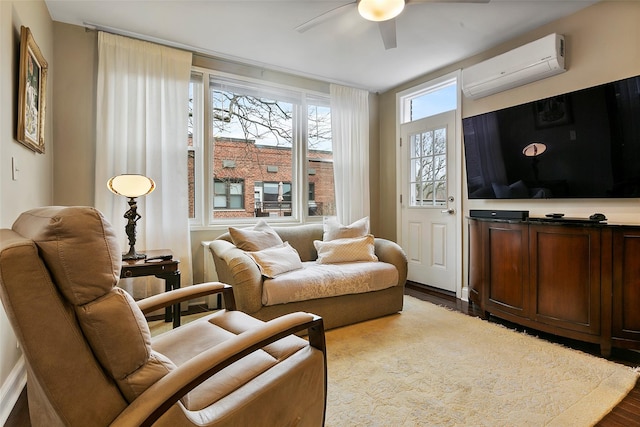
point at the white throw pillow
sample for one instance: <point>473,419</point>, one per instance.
<point>257,238</point>
<point>346,250</point>
<point>277,260</point>
<point>334,230</point>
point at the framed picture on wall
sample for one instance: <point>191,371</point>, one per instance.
<point>554,111</point>
<point>32,88</point>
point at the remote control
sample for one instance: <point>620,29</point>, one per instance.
<point>159,258</point>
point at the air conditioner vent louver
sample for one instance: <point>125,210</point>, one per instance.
<point>534,61</point>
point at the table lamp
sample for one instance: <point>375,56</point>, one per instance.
<point>131,186</point>
<point>533,150</point>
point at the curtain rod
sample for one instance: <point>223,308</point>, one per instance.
<point>89,26</point>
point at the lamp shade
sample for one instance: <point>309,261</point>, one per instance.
<point>534,149</point>
<point>131,185</point>
<point>380,10</point>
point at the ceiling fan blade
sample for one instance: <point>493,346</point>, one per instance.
<point>323,17</point>
<point>388,33</point>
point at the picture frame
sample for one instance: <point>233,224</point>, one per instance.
<point>554,111</point>
<point>32,93</point>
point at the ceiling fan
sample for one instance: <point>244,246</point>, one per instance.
<point>384,12</point>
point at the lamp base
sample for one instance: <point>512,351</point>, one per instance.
<point>133,255</point>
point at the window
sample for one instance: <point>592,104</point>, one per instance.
<point>428,160</point>
<point>274,140</point>
<point>429,102</point>
<point>228,194</point>
<point>275,199</point>
<point>320,184</point>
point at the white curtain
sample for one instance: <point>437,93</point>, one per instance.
<point>350,133</point>
<point>142,113</point>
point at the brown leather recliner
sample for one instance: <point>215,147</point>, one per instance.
<point>92,362</point>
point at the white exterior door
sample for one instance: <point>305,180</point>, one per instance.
<point>429,195</point>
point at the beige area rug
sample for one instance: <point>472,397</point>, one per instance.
<point>430,366</point>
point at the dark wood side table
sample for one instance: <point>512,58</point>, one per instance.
<point>161,268</point>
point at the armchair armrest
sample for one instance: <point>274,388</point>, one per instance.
<point>391,252</point>
<point>176,296</point>
<point>158,398</point>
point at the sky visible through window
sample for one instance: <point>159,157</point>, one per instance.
<point>268,121</point>
<point>432,103</point>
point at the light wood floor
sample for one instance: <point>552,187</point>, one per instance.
<point>626,414</point>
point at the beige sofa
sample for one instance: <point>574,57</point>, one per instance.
<point>342,293</point>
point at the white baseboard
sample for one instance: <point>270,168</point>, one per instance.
<point>11,389</point>
<point>464,294</point>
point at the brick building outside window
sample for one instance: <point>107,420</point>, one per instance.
<point>247,180</point>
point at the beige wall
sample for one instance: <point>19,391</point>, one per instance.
<point>603,45</point>
<point>387,179</point>
<point>74,129</point>
<point>34,186</point>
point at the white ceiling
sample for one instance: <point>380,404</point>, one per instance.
<point>345,49</point>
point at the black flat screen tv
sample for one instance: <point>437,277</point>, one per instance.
<point>582,144</point>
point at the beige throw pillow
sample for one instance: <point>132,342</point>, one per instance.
<point>277,260</point>
<point>260,237</point>
<point>346,250</point>
<point>334,230</point>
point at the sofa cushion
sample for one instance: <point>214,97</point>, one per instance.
<point>334,230</point>
<point>301,238</point>
<point>256,238</point>
<point>346,250</point>
<point>276,260</point>
<point>327,280</point>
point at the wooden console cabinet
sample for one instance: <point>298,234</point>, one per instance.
<point>577,280</point>
<point>625,320</point>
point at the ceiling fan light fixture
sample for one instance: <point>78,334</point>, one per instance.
<point>380,10</point>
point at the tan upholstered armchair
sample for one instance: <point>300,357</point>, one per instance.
<point>92,362</point>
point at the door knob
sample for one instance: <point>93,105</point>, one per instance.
<point>448,211</point>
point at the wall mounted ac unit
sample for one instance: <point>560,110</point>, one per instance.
<point>534,61</point>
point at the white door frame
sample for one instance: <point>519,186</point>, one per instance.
<point>462,290</point>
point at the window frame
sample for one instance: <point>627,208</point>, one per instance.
<point>204,194</point>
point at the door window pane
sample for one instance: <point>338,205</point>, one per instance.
<point>428,165</point>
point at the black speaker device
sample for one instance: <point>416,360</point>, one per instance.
<point>498,214</point>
